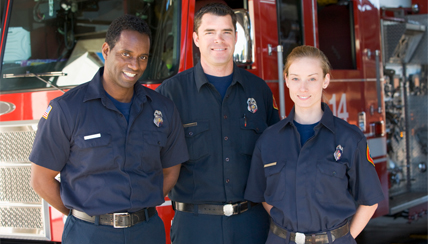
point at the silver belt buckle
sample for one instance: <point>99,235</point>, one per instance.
<point>121,220</point>
<point>300,238</point>
<point>228,209</point>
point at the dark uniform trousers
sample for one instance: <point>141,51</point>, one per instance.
<point>274,239</point>
<point>250,227</point>
<point>77,231</point>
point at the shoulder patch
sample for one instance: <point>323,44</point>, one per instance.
<point>48,110</point>
<point>275,106</point>
<point>369,158</point>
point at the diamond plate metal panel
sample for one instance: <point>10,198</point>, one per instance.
<point>21,218</point>
<point>392,32</point>
<point>421,53</point>
<point>15,185</point>
<point>15,146</point>
<point>23,214</point>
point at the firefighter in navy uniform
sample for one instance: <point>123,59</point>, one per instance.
<point>224,109</point>
<point>117,145</point>
<point>313,171</point>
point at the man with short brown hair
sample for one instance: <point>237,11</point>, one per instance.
<point>224,109</point>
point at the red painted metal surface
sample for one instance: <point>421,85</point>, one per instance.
<point>151,86</point>
<point>29,105</point>
<point>166,213</point>
<point>266,34</point>
<point>187,16</point>
<point>309,18</point>
<point>57,224</point>
<point>423,6</point>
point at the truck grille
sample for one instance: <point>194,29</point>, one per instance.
<point>15,146</point>
<point>15,186</point>
<point>23,214</point>
<point>22,218</point>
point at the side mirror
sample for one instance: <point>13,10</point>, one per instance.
<point>243,54</point>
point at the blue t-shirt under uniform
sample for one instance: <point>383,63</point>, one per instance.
<point>124,108</point>
<point>305,131</point>
<point>220,83</point>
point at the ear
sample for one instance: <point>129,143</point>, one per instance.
<point>196,38</point>
<point>105,50</point>
<point>326,81</point>
<point>236,37</point>
<point>286,79</point>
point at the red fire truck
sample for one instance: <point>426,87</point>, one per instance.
<point>378,50</point>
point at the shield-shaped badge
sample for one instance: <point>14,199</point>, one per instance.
<point>252,105</point>
<point>338,153</point>
<point>158,120</point>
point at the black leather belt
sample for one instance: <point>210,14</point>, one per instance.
<point>118,220</point>
<point>316,238</point>
<point>212,209</point>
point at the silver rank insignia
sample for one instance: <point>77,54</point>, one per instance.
<point>252,105</point>
<point>338,153</point>
<point>158,120</point>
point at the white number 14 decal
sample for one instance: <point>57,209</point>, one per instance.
<point>341,111</point>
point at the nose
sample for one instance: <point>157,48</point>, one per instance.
<point>133,64</point>
<point>218,38</point>
<point>303,85</point>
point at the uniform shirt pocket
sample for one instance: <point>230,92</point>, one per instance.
<point>275,188</point>
<point>93,140</point>
<point>155,138</point>
<point>92,149</point>
<point>196,134</point>
<point>153,142</point>
<point>251,128</point>
<point>331,183</point>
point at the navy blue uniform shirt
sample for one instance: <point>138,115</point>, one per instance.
<point>309,190</point>
<point>220,133</point>
<point>106,164</point>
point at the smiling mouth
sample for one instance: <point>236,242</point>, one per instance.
<point>219,49</point>
<point>303,97</point>
<point>131,75</point>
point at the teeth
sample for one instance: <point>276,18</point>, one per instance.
<point>129,74</point>
<point>218,49</point>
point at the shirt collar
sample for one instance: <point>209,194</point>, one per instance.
<point>327,119</point>
<point>96,90</point>
<point>201,78</point>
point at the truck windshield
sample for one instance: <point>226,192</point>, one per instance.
<point>58,43</point>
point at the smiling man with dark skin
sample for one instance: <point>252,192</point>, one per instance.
<point>117,145</point>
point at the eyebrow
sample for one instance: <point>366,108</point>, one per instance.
<point>308,75</point>
<point>214,30</point>
<point>129,51</point>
